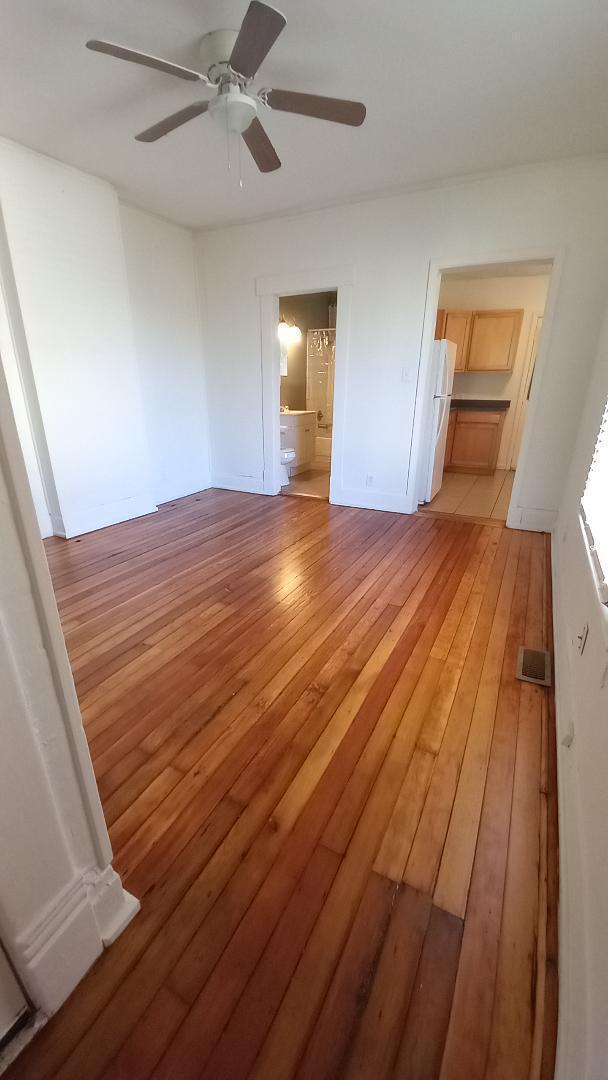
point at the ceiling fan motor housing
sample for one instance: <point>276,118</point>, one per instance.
<point>233,109</point>
<point>216,50</point>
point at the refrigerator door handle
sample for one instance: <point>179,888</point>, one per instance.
<point>444,409</point>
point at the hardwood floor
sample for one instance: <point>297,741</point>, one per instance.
<point>333,797</point>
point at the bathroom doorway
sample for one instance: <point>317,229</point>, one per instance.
<point>307,338</point>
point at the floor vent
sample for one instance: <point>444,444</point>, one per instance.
<point>534,665</point>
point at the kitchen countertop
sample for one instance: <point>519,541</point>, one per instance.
<point>481,404</point>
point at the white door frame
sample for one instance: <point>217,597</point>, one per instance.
<point>524,384</point>
<point>437,267</point>
<point>293,283</point>
<point>60,899</point>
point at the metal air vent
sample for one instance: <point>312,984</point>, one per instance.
<point>534,665</point>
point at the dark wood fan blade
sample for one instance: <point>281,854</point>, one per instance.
<point>259,31</point>
<point>142,58</point>
<point>323,108</point>
<point>163,127</point>
<point>261,148</point>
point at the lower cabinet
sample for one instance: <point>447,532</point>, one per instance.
<point>473,441</point>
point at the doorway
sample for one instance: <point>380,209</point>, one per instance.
<point>493,317</point>
<point>307,338</point>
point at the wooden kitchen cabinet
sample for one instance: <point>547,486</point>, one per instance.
<point>473,441</point>
<point>450,439</point>
<point>493,341</point>
<point>457,328</point>
<point>485,340</point>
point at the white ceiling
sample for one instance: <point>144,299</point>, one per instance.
<point>451,88</point>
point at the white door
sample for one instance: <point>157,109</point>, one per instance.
<point>12,1002</point>
<point>524,395</point>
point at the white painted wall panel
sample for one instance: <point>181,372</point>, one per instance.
<point>166,320</point>
<point>65,242</point>
<point>582,711</point>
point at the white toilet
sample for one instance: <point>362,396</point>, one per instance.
<point>288,456</point>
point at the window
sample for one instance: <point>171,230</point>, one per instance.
<point>595,508</point>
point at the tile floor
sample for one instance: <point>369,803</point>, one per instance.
<point>465,495</point>
<point>314,482</point>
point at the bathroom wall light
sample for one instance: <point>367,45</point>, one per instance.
<point>289,335</point>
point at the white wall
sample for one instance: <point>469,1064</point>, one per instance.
<point>487,294</point>
<point>582,709</point>
<point>66,249</point>
<point>390,243</point>
<point>166,320</point>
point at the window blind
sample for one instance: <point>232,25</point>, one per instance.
<point>595,508</point>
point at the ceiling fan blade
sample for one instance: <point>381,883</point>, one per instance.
<point>323,108</point>
<point>143,58</point>
<point>176,119</point>
<point>261,148</point>
<point>259,31</point>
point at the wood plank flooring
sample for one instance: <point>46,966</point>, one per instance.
<point>335,800</point>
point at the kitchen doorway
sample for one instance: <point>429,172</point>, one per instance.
<point>487,331</point>
<point>307,338</point>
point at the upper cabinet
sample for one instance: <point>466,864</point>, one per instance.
<point>485,340</point>
<point>457,328</point>
<point>494,339</point>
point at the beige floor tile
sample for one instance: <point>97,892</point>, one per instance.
<point>314,483</point>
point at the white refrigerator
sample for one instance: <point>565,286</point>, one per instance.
<point>444,359</point>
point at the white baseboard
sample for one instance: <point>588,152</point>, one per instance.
<point>202,484</point>
<point>253,484</point>
<point>531,519</point>
<point>99,517</point>
<point>112,905</point>
<point>368,499</point>
<point>55,953</point>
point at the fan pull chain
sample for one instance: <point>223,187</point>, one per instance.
<point>228,142</point>
<point>240,163</point>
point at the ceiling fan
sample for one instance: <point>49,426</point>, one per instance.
<point>230,61</point>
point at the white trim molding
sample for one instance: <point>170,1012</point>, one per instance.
<point>232,482</point>
<point>531,519</point>
<point>61,901</point>
<point>292,283</point>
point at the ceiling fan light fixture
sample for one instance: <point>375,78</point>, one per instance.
<point>231,60</point>
<point>233,109</point>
